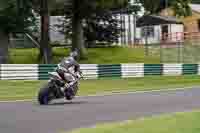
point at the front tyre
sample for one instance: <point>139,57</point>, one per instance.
<point>44,95</point>
<point>72,92</point>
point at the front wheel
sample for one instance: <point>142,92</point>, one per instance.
<point>72,92</point>
<point>44,95</point>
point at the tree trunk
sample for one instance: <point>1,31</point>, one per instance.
<point>124,29</point>
<point>129,30</point>
<point>77,31</point>
<point>134,28</point>
<point>4,42</point>
<point>121,26</point>
<point>45,48</point>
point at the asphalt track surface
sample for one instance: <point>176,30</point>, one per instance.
<point>29,117</point>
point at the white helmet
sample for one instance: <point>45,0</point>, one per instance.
<point>74,54</point>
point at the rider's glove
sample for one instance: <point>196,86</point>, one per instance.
<point>78,75</point>
<point>67,85</point>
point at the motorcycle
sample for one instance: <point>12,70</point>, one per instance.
<point>52,90</point>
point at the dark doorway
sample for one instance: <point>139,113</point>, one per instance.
<point>165,32</point>
<point>199,25</point>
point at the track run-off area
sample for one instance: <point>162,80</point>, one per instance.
<point>60,115</point>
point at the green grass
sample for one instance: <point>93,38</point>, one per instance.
<point>112,55</point>
<point>115,55</point>
<point>173,123</point>
<point>30,55</point>
<point>17,90</point>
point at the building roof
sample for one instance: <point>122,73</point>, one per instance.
<point>195,7</point>
<point>150,20</point>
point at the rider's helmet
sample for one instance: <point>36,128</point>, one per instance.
<point>64,64</point>
<point>74,54</point>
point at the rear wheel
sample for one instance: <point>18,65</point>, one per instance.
<point>44,96</point>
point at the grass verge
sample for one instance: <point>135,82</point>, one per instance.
<point>113,55</point>
<point>19,90</point>
<point>176,123</point>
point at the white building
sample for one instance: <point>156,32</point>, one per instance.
<point>129,36</point>
<point>154,29</point>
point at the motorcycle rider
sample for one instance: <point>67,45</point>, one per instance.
<point>69,70</point>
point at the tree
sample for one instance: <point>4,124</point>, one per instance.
<point>42,7</point>
<point>13,18</point>
<point>152,6</point>
<point>196,1</point>
<point>83,9</point>
<point>181,7</point>
<point>45,48</point>
<point>80,10</point>
<point>102,27</point>
<point>45,8</point>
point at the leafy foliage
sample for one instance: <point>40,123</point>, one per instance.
<point>181,7</point>
<point>103,27</point>
<point>99,23</point>
<point>196,1</point>
<point>153,6</point>
<point>14,18</point>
